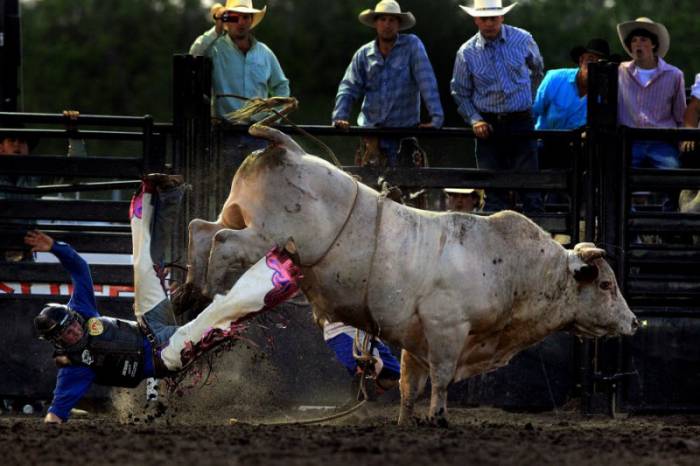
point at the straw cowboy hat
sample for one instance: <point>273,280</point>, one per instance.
<point>245,7</point>
<point>479,193</point>
<point>658,29</point>
<point>598,47</point>
<point>485,8</point>
<point>388,7</point>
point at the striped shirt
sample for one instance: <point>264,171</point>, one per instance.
<point>658,104</point>
<point>256,73</point>
<point>496,76</point>
<point>392,86</point>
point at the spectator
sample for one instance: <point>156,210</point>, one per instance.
<point>561,98</point>
<point>691,119</point>
<point>243,66</point>
<point>11,145</point>
<point>464,199</point>
<point>651,93</point>
<point>495,75</point>
<point>393,73</point>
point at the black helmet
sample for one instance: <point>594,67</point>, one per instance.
<point>53,320</point>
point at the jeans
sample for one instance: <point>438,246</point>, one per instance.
<point>655,154</point>
<point>501,152</point>
<point>161,322</point>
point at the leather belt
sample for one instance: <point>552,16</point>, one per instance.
<point>506,117</point>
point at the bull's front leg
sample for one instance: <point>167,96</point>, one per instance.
<point>232,253</point>
<point>446,334</point>
<point>189,298</point>
<point>414,375</point>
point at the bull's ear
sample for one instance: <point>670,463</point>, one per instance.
<point>588,252</point>
<point>582,272</point>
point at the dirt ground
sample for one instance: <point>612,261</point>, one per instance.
<point>475,436</point>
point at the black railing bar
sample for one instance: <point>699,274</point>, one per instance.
<point>70,188</point>
<point>666,311</point>
<point>73,133</point>
<point>83,119</point>
<point>662,133</point>
<point>665,215</point>
<point>322,130</point>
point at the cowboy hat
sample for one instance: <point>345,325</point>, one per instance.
<point>388,7</point>
<point>658,29</point>
<point>479,193</point>
<point>598,47</point>
<point>246,7</point>
<point>487,8</point>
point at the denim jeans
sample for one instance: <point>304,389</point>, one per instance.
<point>655,154</point>
<point>501,152</point>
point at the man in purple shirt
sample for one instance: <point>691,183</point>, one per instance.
<point>651,93</point>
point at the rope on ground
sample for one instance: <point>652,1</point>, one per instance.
<point>360,351</point>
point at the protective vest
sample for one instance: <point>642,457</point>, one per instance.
<point>113,349</point>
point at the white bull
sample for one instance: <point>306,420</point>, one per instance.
<point>461,294</point>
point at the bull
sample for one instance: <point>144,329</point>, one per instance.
<point>460,294</point>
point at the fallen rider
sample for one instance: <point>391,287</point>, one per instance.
<point>90,348</point>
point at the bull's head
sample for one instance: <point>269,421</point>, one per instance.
<point>600,307</point>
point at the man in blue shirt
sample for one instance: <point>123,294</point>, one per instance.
<point>90,348</point>
<point>561,100</point>
<point>392,72</point>
<point>495,76</point>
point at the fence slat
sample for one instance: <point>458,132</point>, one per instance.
<point>33,272</point>
<point>95,211</point>
<point>51,165</point>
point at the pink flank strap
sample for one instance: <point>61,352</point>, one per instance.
<point>285,279</point>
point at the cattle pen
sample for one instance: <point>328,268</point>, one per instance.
<point>540,408</point>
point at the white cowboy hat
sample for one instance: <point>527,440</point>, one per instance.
<point>485,8</point>
<point>388,7</point>
<point>463,191</point>
<point>246,7</point>
<point>658,29</point>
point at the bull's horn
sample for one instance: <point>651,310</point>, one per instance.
<point>275,137</point>
<point>588,253</point>
<point>580,246</point>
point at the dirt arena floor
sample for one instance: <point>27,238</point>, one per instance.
<point>476,436</point>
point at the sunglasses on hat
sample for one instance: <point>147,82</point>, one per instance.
<point>232,17</point>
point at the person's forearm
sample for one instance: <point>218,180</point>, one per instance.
<point>692,114</point>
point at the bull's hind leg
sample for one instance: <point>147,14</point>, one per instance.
<point>232,253</point>
<point>414,374</point>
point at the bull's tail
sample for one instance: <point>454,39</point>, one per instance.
<point>276,137</point>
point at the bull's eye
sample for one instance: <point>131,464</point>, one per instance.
<point>606,285</point>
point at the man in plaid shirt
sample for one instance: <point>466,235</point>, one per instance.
<point>392,72</point>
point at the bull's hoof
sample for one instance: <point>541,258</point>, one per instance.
<point>188,301</point>
<point>408,421</point>
<point>439,422</point>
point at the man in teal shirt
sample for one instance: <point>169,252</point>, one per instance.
<point>243,66</point>
<point>561,101</point>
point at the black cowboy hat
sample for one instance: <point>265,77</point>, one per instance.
<point>596,46</point>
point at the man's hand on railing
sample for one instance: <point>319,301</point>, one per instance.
<point>687,146</point>
<point>482,130</point>
<point>341,124</point>
<point>39,241</point>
